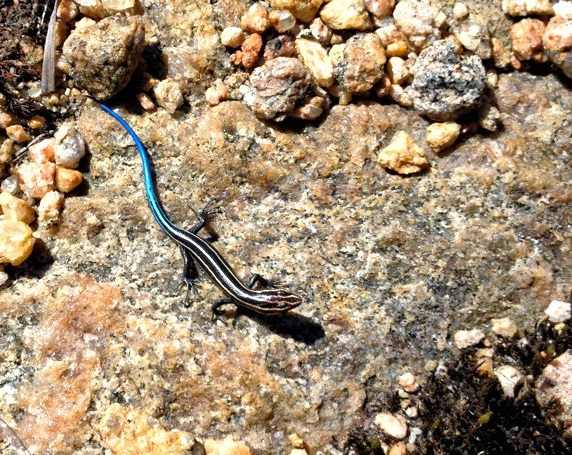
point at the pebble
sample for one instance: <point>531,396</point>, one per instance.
<point>460,11</point>
<point>466,338</point>
<point>145,101</point>
<point>557,41</point>
<point>69,146</point>
<point>501,55</point>
<point>321,31</point>
<point>400,95</point>
<point>393,425</point>
<point>399,448</point>
<point>296,441</point>
<point>316,60</point>
<point>227,446</point>
<point>439,136</point>
<point>18,134</point>
<point>10,185</point>
<point>217,93</point>
<point>256,19</point>
<point>103,8</point>
<point>474,37</point>
<point>558,311</point>
<point>508,377</point>
<point>526,40</point>
<point>36,179</point>
<point>379,8</point>
<point>298,452</point>
<point>397,70</point>
<point>169,95</point>
<point>408,382</point>
<point>67,179</point>
<point>232,37</point>
<point>88,49</point>
<point>303,10</point>
<point>555,387</point>
<point>16,242</point>
<point>358,64</point>
<point>16,209</point>
<point>397,49</point>
<point>67,10</point>
<point>403,155</point>
<point>282,20</point>
<point>311,109</point>
<point>50,207</point>
<point>37,122</point>
<point>489,117</point>
<point>346,15</point>
<point>504,327</point>
<point>43,151</point>
<point>251,48</point>
<point>527,7</point>
<point>416,19</point>
<point>281,46</point>
<point>446,85</point>
<point>7,151</point>
<point>276,88</point>
<point>6,120</point>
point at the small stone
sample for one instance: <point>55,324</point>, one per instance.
<point>281,46</point>
<point>16,209</point>
<point>6,120</point>
<point>397,49</point>
<point>310,110</point>
<point>7,151</point>
<point>557,41</point>
<point>3,277</point>
<point>379,8</point>
<point>316,61</point>
<point>397,70</point>
<point>504,327</point>
<point>346,15</point>
<point>256,19</point>
<point>227,446</point>
<point>526,39</point>
<point>232,37</point>
<point>67,179</point>
<point>16,242</point>
<point>43,151</point>
<point>508,377</point>
<point>474,37</point>
<point>303,10</point>
<point>403,155</point>
<point>393,425</point>
<point>37,179</point>
<point>412,412</point>
<point>321,31</point>
<point>489,117</point>
<point>145,101</point>
<point>50,207</point>
<point>467,338</point>
<point>439,136</point>
<point>501,55</point>
<point>217,93</point>
<point>527,7</point>
<point>277,87</point>
<point>18,134</point>
<point>70,146</point>
<point>485,367</point>
<point>359,63</point>
<point>99,9</point>
<point>408,382</point>
<point>67,10</point>
<point>37,122</point>
<point>251,49</point>
<point>555,387</point>
<point>389,34</point>
<point>558,311</point>
<point>399,448</point>
<point>282,20</point>
<point>460,11</point>
<point>298,452</point>
<point>400,95</point>
<point>416,19</point>
<point>10,185</point>
<point>296,441</point>
<point>169,95</point>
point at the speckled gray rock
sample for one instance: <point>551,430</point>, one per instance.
<point>277,87</point>
<point>103,55</point>
<point>446,85</point>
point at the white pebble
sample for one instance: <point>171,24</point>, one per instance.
<point>558,311</point>
<point>70,146</point>
<point>392,425</point>
<point>508,377</point>
<point>466,338</point>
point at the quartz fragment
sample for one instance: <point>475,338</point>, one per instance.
<point>346,15</point>
<point>69,147</point>
<point>527,7</point>
<point>37,179</point>
<point>18,134</point>
<point>416,20</point>
<point>403,155</point>
<point>439,136</point>
<point>16,242</point>
<point>558,311</point>
<point>393,425</point>
<point>282,20</point>
<point>509,377</point>
<point>379,8</point>
<point>304,10</point>
<point>43,151</point>
<point>227,446</point>
<point>467,338</point>
<point>16,209</point>
<point>526,39</point>
<point>169,95</point>
<point>49,208</point>
<point>504,327</point>
<point>232,37</point>
<point>316,60</point>
<point>557,41</point>
<point>255,20</point>
<point>67,179</point>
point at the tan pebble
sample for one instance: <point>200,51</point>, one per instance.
<point>67,179</point>
<point>558,311</point>
<point>400,95</point>
<point>390,34</point>
<point>16,242</point>
<point>36,179</point>
<point>397,49</point>
<point>466,338</point>
<point>304,10</point>
<point>504,327</point>
<point>418,21</point>
<point>485,367</point>
<point>251,49</point>
<point>316,60</point>
<point>393,425</point>
<point>379,8</point>
<point>310,110</point>
<point>403,155</point>
<point>256,19</point>
<point>383,87</point>
<point>298,452</point>
<point>397,70</point>
<point>232,37</point>
<point>501,55</point>
<point>145,101</point>
<point>408,382</point>
<point>6,120</point>
<point>526,39</point>
<point>527,7</point>
<point>439,136</point>
<point>412,412</point>
<point>16,209</point>
<point>398,448</point>
<point>508,377</point>
<point>321,31</point>
<point>37,122</point>
<point>227,446</point>
<point>217,93</point>
<point>67,10</point>
<point>460,11</point>
<point>296,441</point>
<point>169,95</point>
<point>18,134</point>
<point>557,41</point>
<point>282,20</point>
<point>346,15</point>
<point>7,151</point>
<point>43,151</point>
<point>50,207</point>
